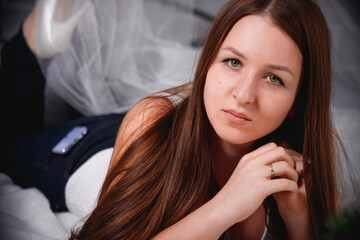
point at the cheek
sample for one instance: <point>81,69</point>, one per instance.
<point>213,95</point>
<point>218,84</point>
<point>209,96</point>
<point>276,109</point>
<point>212,83</point>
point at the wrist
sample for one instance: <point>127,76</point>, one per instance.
<point>206,222</point>
<point>298,227</point>
<point>221,214</point>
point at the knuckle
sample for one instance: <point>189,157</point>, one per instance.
<point>281,151</point>
<point>283,164</point>
<point>245,158</point>
<point>272,144</point>
<point>293,185</point>
<point>289,184</point>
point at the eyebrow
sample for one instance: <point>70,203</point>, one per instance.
<point>272,66</point>
<point>281,68</point>
<point>235,51</point>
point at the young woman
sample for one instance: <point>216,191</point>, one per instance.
<point>245,151</point>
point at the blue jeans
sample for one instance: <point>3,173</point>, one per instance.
<point>27,156</point>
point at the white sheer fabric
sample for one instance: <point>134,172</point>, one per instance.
<point>116,52</point>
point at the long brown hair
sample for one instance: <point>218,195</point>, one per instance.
<point>172,159</point>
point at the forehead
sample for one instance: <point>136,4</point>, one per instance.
<point>258,38</point>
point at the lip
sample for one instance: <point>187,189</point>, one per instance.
<point>236,117</point>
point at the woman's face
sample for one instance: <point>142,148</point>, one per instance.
<point>251,86</point>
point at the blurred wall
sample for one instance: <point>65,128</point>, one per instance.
<point>343,17</point>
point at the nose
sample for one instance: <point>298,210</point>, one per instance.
<point>245,90</point>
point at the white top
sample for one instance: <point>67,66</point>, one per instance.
<point>83,186</point>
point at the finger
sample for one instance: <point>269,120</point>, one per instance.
<point>282,169</point>
<point>276,154</point>
<point>298,155</point>
<point>298,159</point>
<point>293,153</point>
<point>284,144</point>
<point>261,150</point>
<point>280,185</point>
<point>299,166</point>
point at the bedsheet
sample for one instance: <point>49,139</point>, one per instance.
<point>26,214</point>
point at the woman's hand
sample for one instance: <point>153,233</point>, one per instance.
<point>293,205</point>
<point>252,181</point>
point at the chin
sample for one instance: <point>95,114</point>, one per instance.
<point>236,139</point>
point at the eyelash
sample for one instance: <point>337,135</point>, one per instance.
<point>229,60</point>
<point>279,82</point>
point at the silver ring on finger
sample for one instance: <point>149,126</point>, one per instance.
<point>272,171</point>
